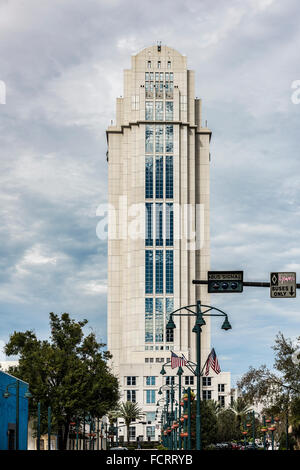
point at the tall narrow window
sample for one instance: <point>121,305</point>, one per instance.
<point>159,320</point>
<point>149,272</point>
<point>149,111</point>
<point>149,224</point>
<point>149,139</point>
<point>149,64</point>
<point>169,225</point>
<point>169,272</point>
<point>159,110</point>
<point>169,138</point>
<point>159,272</point>
<point>169,64</point>
<point>159,187</point>
<point>159,223</point>
<point>169,110</point>
<point>169,309</point>
<point>169,177</point>
<point>148,320</point>
<point>149,177</point>
<point>159,139</point>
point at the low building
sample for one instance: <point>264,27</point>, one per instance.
<point>13,412</point>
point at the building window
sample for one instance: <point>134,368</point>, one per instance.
<point>149,111</point>
<point>221,387</point>
<point>150,380</point>
<point>170,380</point>
<point>150,417</point>
<point>169,64</point>
<point>131,380</point>
<point>132,433</point>
<point>150,396</point>
<point>150,432</point>
<point>159,276</point>
<point>158,64</point>
<point>159,139</point>
<point>131,395</point>
<point>206,381</point>
<point>148,320</point>
<point>159,111</point>
<point>169,110</point>
<point>149,177</point>
<point>189,380</point>
<point>169,85</point>
<point>169,272</point>
<point>149,64</point>
<point>159,223</point>
<point>183,103</point>
<point>149,272</point>
<point>169,177</point>
<point>135,103</point>
<point>159,320</point>
<point>221,400</point>
<point>169,138</point>
<point>149,224</point>
<point>149,139</point>
<point>169,309</point>
<point>206,394</point>
<point>169,225</point>
<point>159,172</point>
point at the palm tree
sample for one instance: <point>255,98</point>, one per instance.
<point>129,411</point>
<point>240,408</point>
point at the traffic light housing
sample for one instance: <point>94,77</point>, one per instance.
<point>224,281</point>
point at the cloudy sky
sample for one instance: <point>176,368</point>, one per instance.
<point>61,62</point>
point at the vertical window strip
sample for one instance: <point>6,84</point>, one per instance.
<point>159,110</point>
<point>148,320</point>
<point>149,111</point>
<point>159,187</point>
<point>149,177</point>
<point>169,138</point>
<point>169,272</point>
<point>149,139</point>
<point>169,224</point>
<point>159,320</point>
<point>169,110</point>
<point>159,272</point>
<point>159,139</point>
<point>149,224</point>
<point>169,310</point>
<point>159,223</point>
<point>149,272</point>
<point>169,177</point>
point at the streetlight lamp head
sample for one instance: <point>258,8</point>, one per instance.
<point>226,325</point>
<point>180,370</point>
<point>163,371</point>
<point>6,394</point>
<point>200,321</point>
<point>170,325</point>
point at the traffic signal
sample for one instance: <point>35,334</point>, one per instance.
<point>225,281</point>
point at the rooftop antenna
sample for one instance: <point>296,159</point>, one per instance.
<point>159,46</point>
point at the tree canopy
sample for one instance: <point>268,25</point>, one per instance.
<point>69,372</point>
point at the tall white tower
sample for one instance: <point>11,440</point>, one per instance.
<point>158,158</point>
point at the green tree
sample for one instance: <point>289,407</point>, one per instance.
<point>279,389</point>
<point>208,423</point>
<point>227,429</point>
<point>68,372</point>
<point>240,407</point>
<point>129,412</point>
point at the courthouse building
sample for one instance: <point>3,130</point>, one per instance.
<point>158,165</point>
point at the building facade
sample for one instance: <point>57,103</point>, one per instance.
<point>158,166</point>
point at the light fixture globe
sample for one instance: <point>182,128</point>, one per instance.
<point>170,325</point>
<point>226,325</point>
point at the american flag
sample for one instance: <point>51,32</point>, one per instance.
<point>212,361</point>
<point>177,361</point>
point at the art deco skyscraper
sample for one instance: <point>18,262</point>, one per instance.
<point>158,158</point>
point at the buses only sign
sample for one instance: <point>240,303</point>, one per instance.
<point>283,285</point>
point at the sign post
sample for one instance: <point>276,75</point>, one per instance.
<point>283,285</point>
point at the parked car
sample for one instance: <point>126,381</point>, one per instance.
<point>118,448</point>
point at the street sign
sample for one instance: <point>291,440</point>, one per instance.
<point>283,285</point>
<point>224,281</point>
